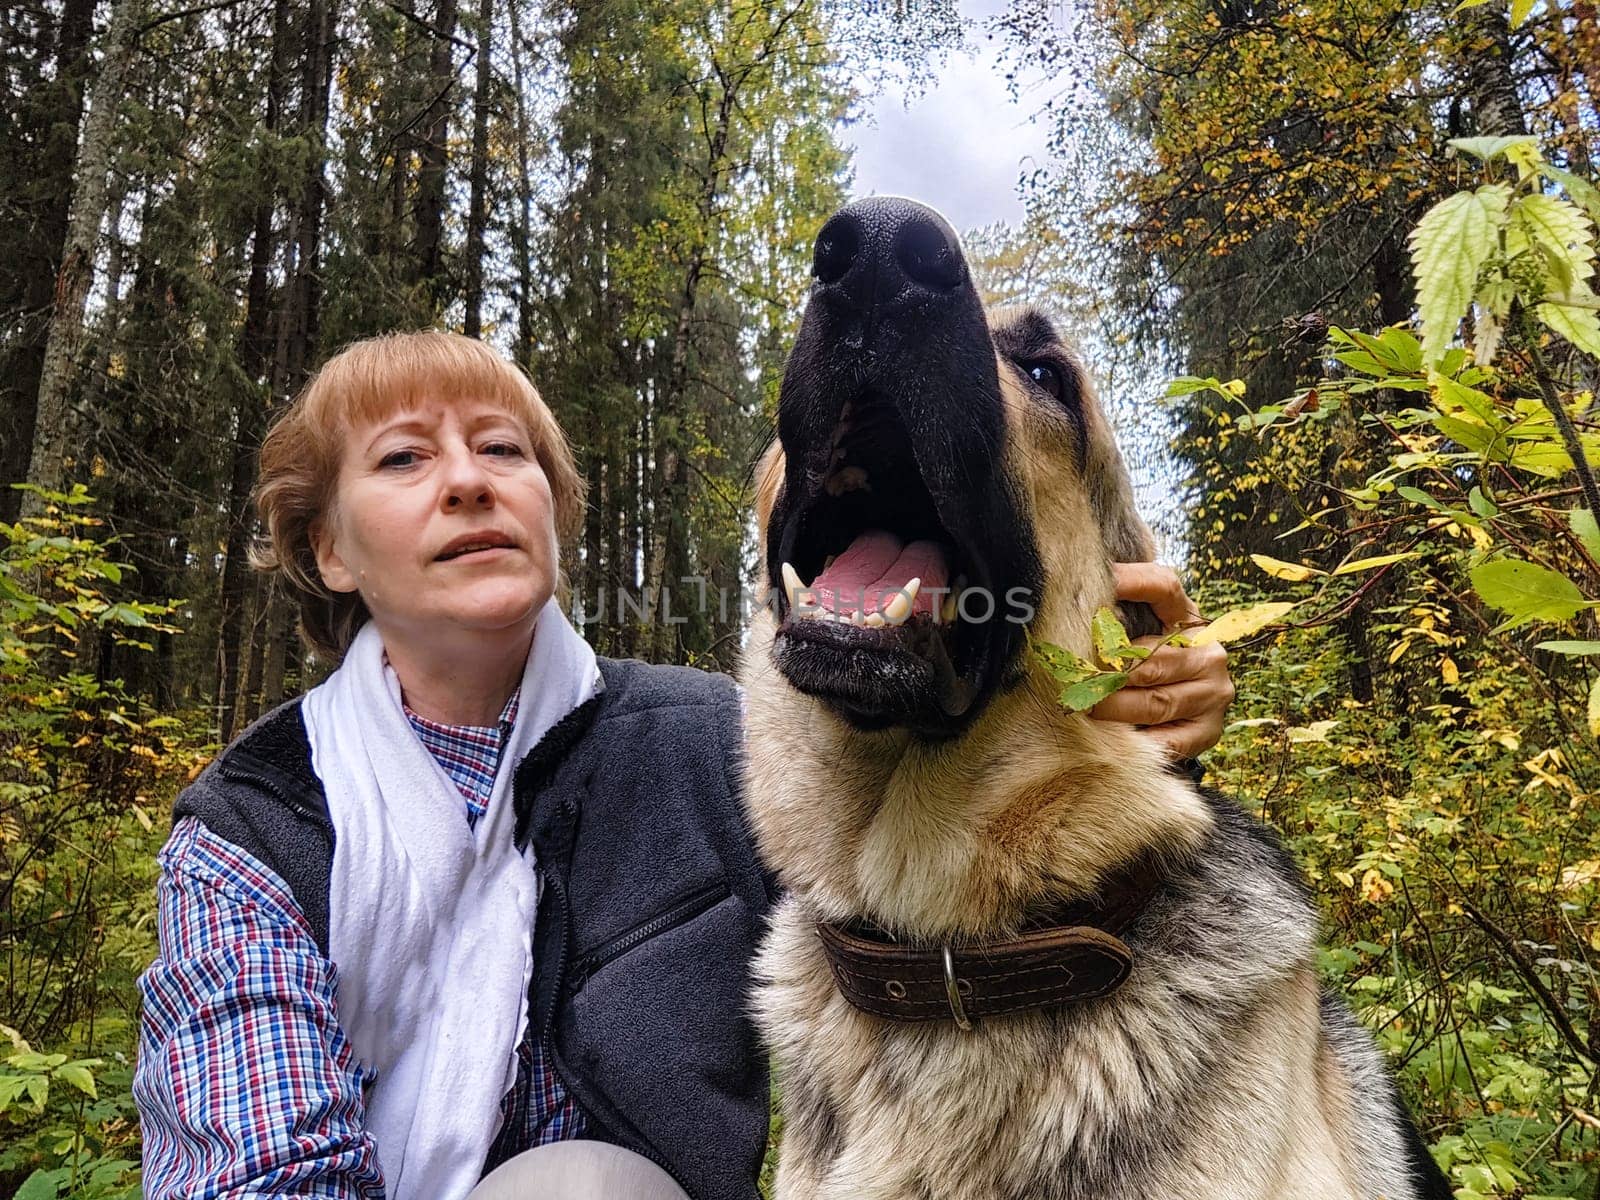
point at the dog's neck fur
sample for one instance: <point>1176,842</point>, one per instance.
<point>961,839</point>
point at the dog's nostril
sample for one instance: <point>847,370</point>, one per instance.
<point>928,257</point>
<point>837,247</point>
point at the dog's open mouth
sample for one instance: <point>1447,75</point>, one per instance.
<point>882,606</point>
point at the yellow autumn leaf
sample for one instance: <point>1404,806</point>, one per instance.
<point>1580,873</point>
<point>1375,889</point>
<point>1594,709</point>
<point>1346,878</point>
<point>1448,671</point>
<point>1368,564</point>
<point>1278,569</point>
<point>1241,623</point>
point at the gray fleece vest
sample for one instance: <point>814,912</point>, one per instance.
<point>653,903</point>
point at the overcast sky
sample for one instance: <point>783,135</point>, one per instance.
<point>959,147</point>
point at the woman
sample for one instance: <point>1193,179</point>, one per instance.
<point>358,892</point>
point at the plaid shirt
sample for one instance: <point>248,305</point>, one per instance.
<point>245,1081</point>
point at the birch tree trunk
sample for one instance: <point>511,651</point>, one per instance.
<point>53,432</point>
<point>20,392</point>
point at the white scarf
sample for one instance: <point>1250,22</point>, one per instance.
<point>431,921</point>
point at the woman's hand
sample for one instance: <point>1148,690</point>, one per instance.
<point>1180,694</point>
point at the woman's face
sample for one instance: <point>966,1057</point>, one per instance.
<point>442,520</point>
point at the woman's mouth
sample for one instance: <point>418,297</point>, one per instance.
<point>477,548</point>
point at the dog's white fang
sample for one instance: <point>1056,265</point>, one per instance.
<point>898,609</point>
<point>794,589</point>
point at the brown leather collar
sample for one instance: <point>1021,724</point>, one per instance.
<point>1077,955</point>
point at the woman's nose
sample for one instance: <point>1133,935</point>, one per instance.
<point>465,482</point>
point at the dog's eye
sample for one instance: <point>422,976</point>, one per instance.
<point>1048,376</point>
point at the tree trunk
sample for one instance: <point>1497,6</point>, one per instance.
<point>522,245</point>
<point>432,158</point>
<point>477,200</point>
<point>53,433</point>
<point>281,648</point>
<point>260,622</point>
<point>254,399</point>
<point>17,414</point>
<point>1497,110</point>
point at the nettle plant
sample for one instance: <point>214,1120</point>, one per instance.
<point>1490,443</point>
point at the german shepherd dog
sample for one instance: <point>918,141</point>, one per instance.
<point>1020,956</point>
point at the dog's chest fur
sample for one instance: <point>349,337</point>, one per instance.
<point>1195,1078</point>
<point>1189,1081</point>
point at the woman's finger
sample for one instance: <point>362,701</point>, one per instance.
<point>1158,586</point>
<point>1169,664</point>
<point>1184,700</point>
<point>1188,739</point>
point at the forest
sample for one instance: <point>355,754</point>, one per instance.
<point>1332,261</point>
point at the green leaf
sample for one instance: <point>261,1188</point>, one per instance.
<point>1575,648</point>
<point>1475,437</point>
<point>1392,359</point>
<point>1110,637</point>
<point>1562,232</point>
<point>1086,693</point>
<point>1406,349</point>
<point>79,1077</point>
<point>1481,504</point>
<point>1519,11</point>
<point>123,614</point>
<point>1580,189</point>
<point>1579,324</point>
<point>1360,360</point>
<point>1488,148</point>
<point>1453,397</point>
<point>1582,523</point>
<point>44,1185</point>
<point>1241,623</point>
<point>1448,248</point>
<point>1418,496</point>
<point>1063,664</point>
<point>1546,459</point>
<point>1526,591</point>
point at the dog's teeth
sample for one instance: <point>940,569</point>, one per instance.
<point>898,609</point>
<point>874,620</point>
<point>948,612</point>
<point>792,586</point>
<point>858,620</point>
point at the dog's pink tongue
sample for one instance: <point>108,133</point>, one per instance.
<point>919,560</point>
<point>853,573</point>
<point>876,565</point>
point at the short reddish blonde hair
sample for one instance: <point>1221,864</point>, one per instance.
<point>364,382</point>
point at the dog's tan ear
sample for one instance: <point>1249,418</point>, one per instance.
<point>1125,535</point>
<point>768,479</point>
<point>1127,538</point>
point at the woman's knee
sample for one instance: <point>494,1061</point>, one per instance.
<point>578,1170</point>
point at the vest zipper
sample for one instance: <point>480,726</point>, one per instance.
<point>285,795</point>
<point>638,1144</point>
<point>681,913</point>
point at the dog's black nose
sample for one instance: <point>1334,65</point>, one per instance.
<point>884,249</point>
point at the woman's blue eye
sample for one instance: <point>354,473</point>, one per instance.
<point>506,449</point>
<point>398,458</point>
